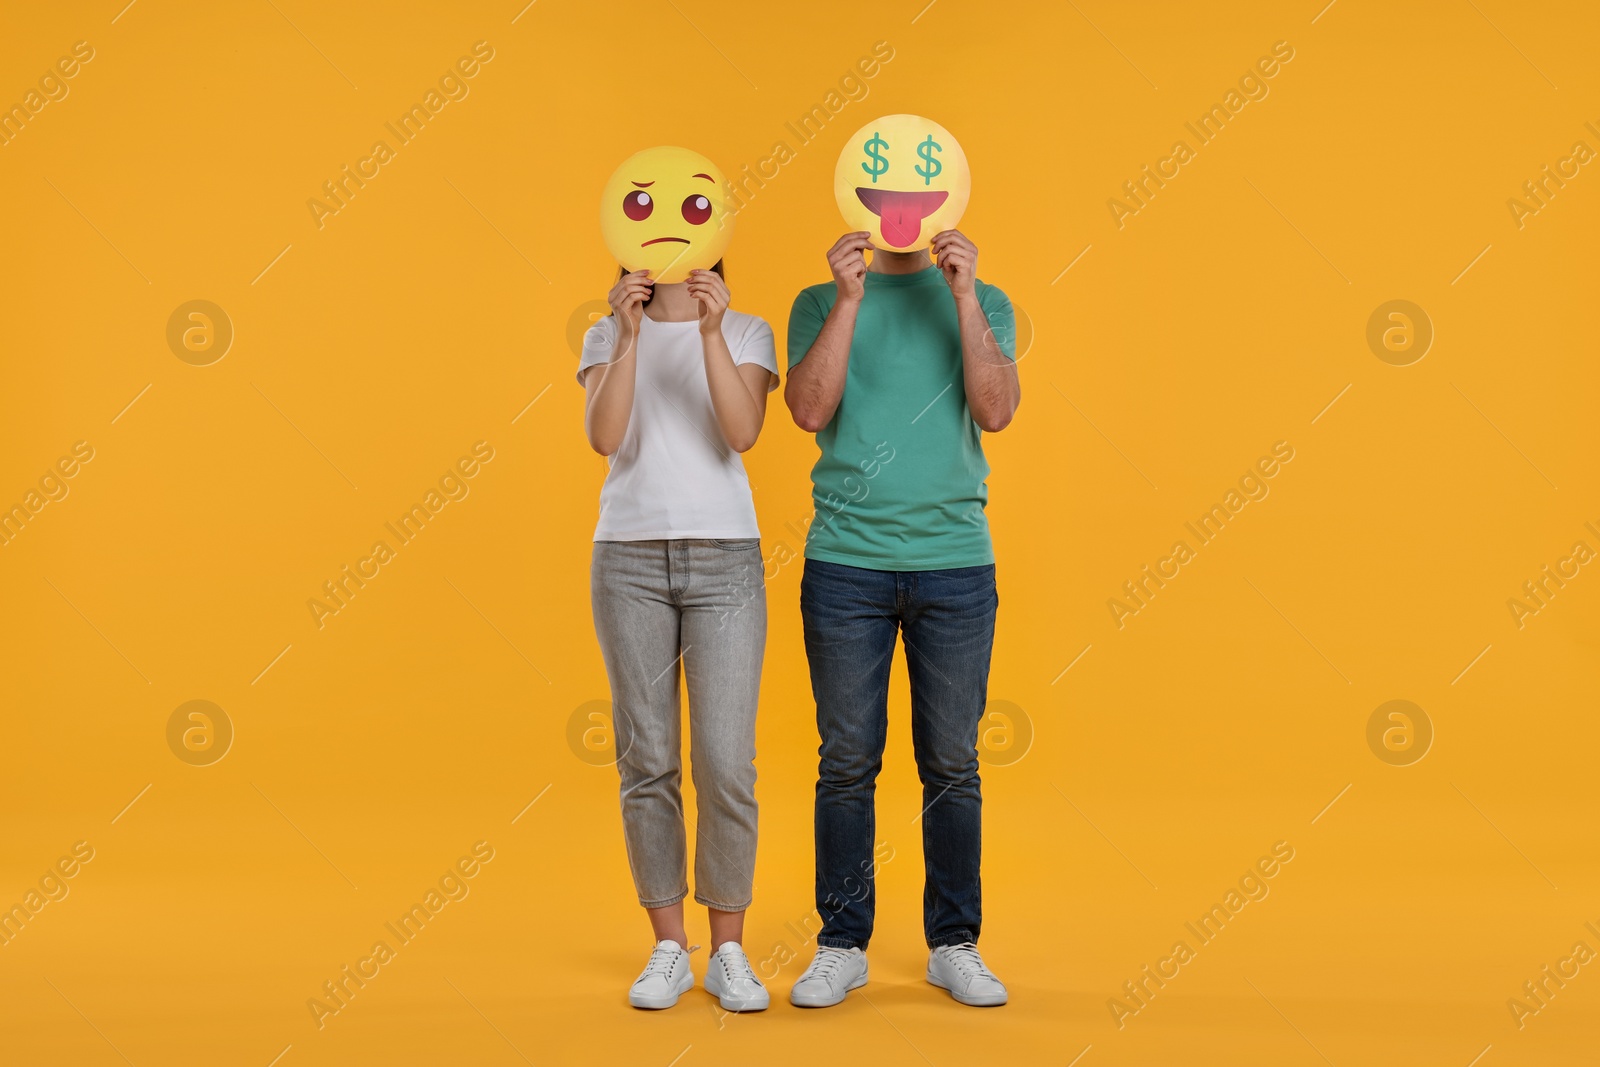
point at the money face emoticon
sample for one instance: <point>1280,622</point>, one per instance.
<point>665,210</point>
<point>902,178</point>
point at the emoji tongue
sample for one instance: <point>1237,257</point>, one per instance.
<point>900,214</point>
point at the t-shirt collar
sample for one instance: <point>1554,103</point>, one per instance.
<point>918,277</point>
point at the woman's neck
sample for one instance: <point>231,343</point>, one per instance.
<point>672,303</point>
<point>899,262</point>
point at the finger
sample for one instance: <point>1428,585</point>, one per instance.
<point>851,242</point>
<point>950,240</point>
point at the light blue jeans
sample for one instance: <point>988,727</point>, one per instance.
<point>702,604</point>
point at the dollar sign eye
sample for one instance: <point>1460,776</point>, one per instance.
<point>637,205</point>
<point>874,149</point>
<point>696,210</point>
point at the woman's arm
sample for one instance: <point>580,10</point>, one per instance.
<point>608,387</point>
<point>738,392</point>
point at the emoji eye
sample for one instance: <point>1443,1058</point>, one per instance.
<point>637,205</point>
<point>696,210</point>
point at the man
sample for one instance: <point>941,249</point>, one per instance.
<point>898,368</point>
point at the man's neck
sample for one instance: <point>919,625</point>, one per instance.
<point>899,262</point>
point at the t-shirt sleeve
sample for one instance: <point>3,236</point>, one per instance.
<point>599,341</point>
<point>1002,319</point>
<point>758,347</point>
<point>805,323</point>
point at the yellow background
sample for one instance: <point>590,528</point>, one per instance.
<point>429,312</point>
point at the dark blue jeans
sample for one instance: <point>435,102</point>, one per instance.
<point>851,617</point>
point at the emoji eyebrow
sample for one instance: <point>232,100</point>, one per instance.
<point>707,177</point>
<point>644,185</point>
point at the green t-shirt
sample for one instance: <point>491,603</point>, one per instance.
<point>900,482</point>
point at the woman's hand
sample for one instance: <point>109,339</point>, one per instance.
<point>711,292</point>
<point>627,299</point>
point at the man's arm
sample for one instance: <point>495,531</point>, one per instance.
<point>816,383</point>
<point>993,388</point>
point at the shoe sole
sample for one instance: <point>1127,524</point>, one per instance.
<point>733,1003</point>
<point>994,1000</point>
<point>649,1003</point>
<point>814,1002</point>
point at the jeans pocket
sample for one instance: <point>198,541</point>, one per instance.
<point>742,544</point>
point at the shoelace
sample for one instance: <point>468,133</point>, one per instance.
<point>967,962</point>
<point>828,961</point>
<point>736,967</point>
<point>661,962</point>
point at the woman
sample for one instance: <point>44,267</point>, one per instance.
<point>676,388</point>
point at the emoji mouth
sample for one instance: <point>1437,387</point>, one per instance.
<point>900,214</point>
<point>658,240</point>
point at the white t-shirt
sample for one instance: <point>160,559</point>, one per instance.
<point>674,475</point>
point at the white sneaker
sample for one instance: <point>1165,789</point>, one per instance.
<point>730,979</point>
<point>832,974</point>
<point>666,977</point>
<point>959,969</point>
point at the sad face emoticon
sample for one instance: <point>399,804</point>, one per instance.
<point>665,210</point>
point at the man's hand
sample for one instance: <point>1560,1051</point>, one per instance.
<point>848,262</point>
<point>958,261</point>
